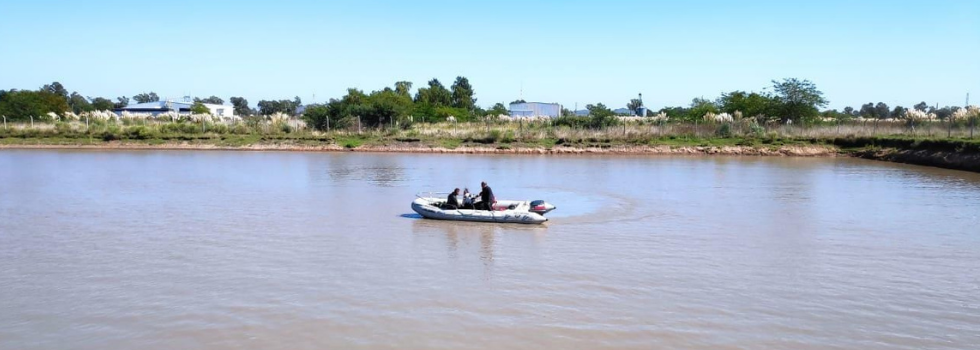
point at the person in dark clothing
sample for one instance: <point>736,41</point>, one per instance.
<point>452,202</point>
<point>486,196</point>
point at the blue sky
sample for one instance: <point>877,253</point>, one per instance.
<point>898,52</point>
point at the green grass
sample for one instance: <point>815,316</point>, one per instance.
<point>449,143</point>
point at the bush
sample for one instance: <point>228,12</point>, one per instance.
<point>109,136</point>
<point>140,133</point>
<point>724,130</point>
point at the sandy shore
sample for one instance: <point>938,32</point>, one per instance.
<point>795,151</point>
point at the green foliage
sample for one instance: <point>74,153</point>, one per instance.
<point>20,105</point>
<point>700,107</point>
<point>102,104</point>
<point>634,105</point>
<point>442,113</point>
<point>241,106</point>
<point>750,104</point>
<point>404,88</point>
<point>199,108</point>
<point>462,94</point>
<point>79,103</point>
<point>140,133</point>
<point>498,109</point>
<point>317,116</point>
<point>146,97</point>
<point>799,100</point>
<point>215,100</point>
<point>121,101</point>
<point>280,106</point>
<point>724,130</point>
<point>435,94</point>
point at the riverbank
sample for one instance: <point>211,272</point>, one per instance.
<point>960,154</point>
<point>794,150</point>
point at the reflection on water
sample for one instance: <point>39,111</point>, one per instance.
<point>232,250</point>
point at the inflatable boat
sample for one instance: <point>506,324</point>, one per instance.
<point>504,211</point>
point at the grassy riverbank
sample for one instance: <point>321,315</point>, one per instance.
<point>955,153</point>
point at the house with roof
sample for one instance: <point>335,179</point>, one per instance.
<point>181,107</point>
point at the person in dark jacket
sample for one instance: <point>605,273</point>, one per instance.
<point>486,196</point>
<point>452,202</point>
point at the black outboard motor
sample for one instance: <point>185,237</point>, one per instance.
<point>541,207</point>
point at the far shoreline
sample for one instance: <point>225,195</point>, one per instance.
<point>936,158</point>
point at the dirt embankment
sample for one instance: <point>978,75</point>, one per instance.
<point>937,158</point>
<point>796,151</point>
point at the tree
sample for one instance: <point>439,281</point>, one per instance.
<point>317,116</point>
<point>146,97</point>
<point>102,104</point>
<point>882,111</point>
<point>943,113</point>
<point>634,105</point>
<point>799,100</point>
<point>241,106</point>
<point>462,94</point>
<point>921,106</point>
<point>700,107</point>
<point>121,101</point>
<point>750,104</point>
<point>850,111</point>
<point>57,89</point>
<point>600,116</point>
<point>79,103</point>
<point>280,106</point>
<point>403,88</point>
<point>20,105</point>
<point>435,95</point>
<point>518,101</point>
<point>215,100</point>
<point>199,108</point>
<point>868,111</point>
<point>898,112</point>
<point>498,109</point>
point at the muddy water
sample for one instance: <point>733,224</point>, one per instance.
<point>232,250</point>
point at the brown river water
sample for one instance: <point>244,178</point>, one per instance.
<point>251,250</point>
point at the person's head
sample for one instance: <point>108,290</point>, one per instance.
<point>466,191</point>
<point>456,191</point>
<point>483,184</point>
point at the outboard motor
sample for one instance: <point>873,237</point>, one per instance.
<point>541,207</point>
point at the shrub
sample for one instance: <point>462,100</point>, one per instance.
<point>724,130</point>
<point>139,133</point>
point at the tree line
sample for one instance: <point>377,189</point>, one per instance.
<point>788,100</point>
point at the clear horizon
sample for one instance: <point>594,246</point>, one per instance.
<point>566,52</point>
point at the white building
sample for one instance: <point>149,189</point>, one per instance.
<point>535,109</point>
<point>182,107</point>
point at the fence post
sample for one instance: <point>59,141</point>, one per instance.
<point>358,124</point>
<point>32,122</point>
<point>949,128</point>
<point>5,122</point>
<point>328,124</point>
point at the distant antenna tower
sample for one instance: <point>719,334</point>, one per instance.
<point>641,110</point>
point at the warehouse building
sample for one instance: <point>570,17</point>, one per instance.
<point>535,109</point>
<point>182,107</point>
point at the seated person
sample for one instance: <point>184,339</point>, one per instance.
<point>467,199</point>
<point>452,202</point>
